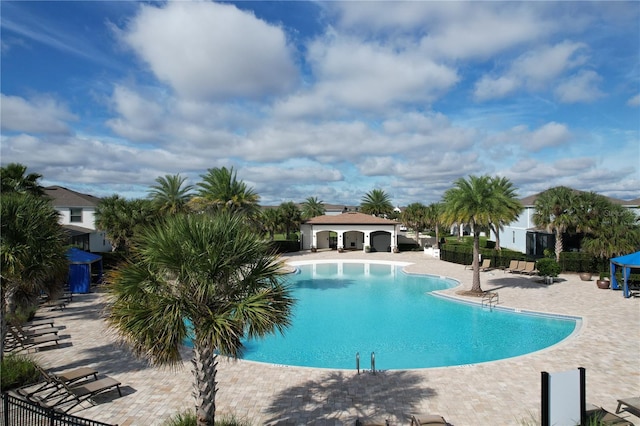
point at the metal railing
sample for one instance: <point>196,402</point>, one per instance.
<point>19,412</point>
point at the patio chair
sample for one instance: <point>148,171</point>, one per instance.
<point>513,265</point>
<point>486,265</point>
<point>631,405</point>
<point>600,416</point>
<point>75,395</point>
<point>427,419</point>
<point>38,323</point>
<point>25,342</point>
<point>33,332</point>
<point>529,268</point>
<point>50,382</point>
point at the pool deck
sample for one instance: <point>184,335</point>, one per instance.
<point>505,392</point>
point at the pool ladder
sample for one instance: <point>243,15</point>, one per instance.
<point>373,362</point>
<point>490,299</point>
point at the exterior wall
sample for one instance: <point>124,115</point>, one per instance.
<point>98,242</point>
<point>347,234</point>
<point>514,235</point>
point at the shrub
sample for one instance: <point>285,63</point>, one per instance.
<point>188,418</point>
<point>17,371</point>
<point>548,267</point>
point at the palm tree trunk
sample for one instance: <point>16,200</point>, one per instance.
<point>496,231</point>
<point>437,237</point>
<point>475,287</point>
<point>204,368</point>
<point>559,246</point>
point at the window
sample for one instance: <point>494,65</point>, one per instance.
<point>76,215</point>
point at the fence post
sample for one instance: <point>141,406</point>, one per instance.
<point>5,407</point>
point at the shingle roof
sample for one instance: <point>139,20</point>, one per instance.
<point>63,197</point>
<point>350,218</point>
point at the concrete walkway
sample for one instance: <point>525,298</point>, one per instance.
<point>505,392</point>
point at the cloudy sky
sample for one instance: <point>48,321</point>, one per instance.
<point>324,99</point>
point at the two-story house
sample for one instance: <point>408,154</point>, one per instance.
<point>77,217</point>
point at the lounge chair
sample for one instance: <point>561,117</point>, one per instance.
<point>24,342</point>
<point>33,332</point>
<point>427,419</point>
<point>50,382</point>
<point>364,422</point>
<point>75,395</point>
<point>631,405</point>
<point>600,416</point>
<point>486,265</point>
<point>513,265</point>
<point>38,323</point>
<point>529,268</point>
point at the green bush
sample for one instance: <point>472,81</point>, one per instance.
<point>548,267</point>
<point>17,371</point>
<point>188,418</point>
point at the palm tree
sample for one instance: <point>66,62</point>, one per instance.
<point>554,211</point>
<point>13,179</point>
<point>271,221</point>
<point>472,201</point>
<point>415,217</point>
<point>121,219</point>
<point>507,207</point>
<point>169,195</point>
<point>312,207</point>
<point>290,217</point>
<point>33,252</point>
<point>433,214</point>
<point>377,203</point>
<point>214,273</point>
<point>613,231</point>
<point>221,190</point>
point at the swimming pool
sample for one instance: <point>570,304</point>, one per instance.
<point>347,308</point>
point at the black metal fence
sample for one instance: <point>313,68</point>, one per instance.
<point>18,412</point>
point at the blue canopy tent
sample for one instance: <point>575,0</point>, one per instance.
<point>625,262</point>
<point>80,269</point>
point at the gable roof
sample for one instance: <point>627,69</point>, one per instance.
<point>64,197</point>
<point>350,218</point>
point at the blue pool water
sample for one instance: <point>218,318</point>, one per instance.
<point>346,308</point>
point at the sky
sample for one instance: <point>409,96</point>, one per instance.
<point>323,99</point>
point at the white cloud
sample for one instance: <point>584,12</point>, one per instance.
<point>549,135</point>
<point>212,50</point>
<point>534,70</point>
<point>581,87</point>
<point>634,101</point>
<point>39,115</point>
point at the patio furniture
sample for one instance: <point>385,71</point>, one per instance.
<point>529,268</point>
<point>600,416</point>
<point>486,265</point>
<point>427,419</point>
<point>38,323</point>
<point>631,405</point>
<point>20,340</point>
<point>75,395</point>
<point>50,382</point>
<point>513,266</point>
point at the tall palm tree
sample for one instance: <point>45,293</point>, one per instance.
<point>377,203</point>
<point>32,252</point>
<point>472,201</point>
<point>290,217</point>
<point>221,190</point>
<point>121,219</point>
<point>170,195</point>
<point>312,207</point>
<point>555,211</point>
<point>271,221</point>
<point>13,178</point>
<point>215,273</point>
<point>414,216</point>
<point>613,231</point>
<point>507,208</point>
<point>433,213</point>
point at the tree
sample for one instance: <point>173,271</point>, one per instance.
<point>33,252</point>
<point>221,190</point>
<point>377,203</point>
<point>215,273</point>
<point>13,179</point>
<point>169,196</point>
<point>554,211</point>
<point>415,217</point>
<point>472,201</point>
<point>290,217</point>
<point>271,221</point>
<point>613,230</point>
<point>312,207</point>
<point>433,215</point>
<point>507,208</point>
<point>121,219</point>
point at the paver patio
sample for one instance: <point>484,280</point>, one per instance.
<point>505,392</point>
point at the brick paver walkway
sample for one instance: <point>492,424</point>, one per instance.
<point>505,392</point>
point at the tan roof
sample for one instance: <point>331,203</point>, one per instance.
<point>63,197</point>
<point>350,218</point>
